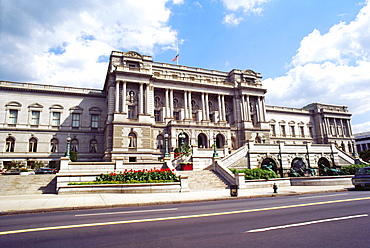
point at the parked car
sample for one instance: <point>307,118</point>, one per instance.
<point>13,172</point>
<point>361,179</point>
<point>46,171</point>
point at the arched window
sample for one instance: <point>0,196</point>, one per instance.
<point>54,145</point>
<point>132,140</point>
<point>9,146</point>
<point>93,146</point>
<point>160,142</point>
<point>74,145</point>
<point>202,141</point>
<point>32,145</point>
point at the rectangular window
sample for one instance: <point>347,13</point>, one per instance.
<point>131,112</point>
<point>75,120</point>
<point>301,130</point>
<point>56,119</point>
<point>194,116</point>
<point>94,121</point>
<point>157,115</point>
<point>310,131</point>
<point>13,116</point>
<point>283,133</point>
<point>292,131</point>
<point>273,131</point>
<point>35,117</point>
<point>176,115</point>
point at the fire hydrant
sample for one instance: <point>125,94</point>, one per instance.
<point>275,187</point>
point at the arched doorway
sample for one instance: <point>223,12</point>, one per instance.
<point>202,141</point>
<point>269,163</point>
<point>220,141</point>
<point>324,167</point>
<point>299,167</point>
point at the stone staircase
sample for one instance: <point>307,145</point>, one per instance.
<point>204,180</point>
<point>27,184</point>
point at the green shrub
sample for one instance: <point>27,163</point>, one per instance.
<point>138,175</point>
<point>352,169</point>
<point>256,173</point>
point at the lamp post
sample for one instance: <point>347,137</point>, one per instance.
<point>182,140</point>
<point>68,154</point>
<point>215,154</point>
<point>166,153</point>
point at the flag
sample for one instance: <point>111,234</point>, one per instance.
<point>176,58</point>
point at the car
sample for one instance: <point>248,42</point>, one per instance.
<point>46,171</point>
<point>361,180</point>
<point>12,172</point>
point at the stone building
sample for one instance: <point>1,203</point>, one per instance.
<point>144,104</point>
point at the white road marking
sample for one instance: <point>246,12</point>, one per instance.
<point>129,212</point>
<point>306,223</point>
<point>318,196</point>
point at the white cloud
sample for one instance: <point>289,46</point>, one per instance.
<point>329,68</point>
<point>241,7</point>
<point>65,42</point>
<point>361,128</point>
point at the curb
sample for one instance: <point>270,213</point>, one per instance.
<point>64,209</point>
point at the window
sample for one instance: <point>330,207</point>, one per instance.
<point>35,117</point>
<point>160,142</point>
<point>301,131</point>
<point>292,131</point>
<point>56,119</point>
<point>74,145</point>
<point>194,116</point>
<point>94,121</point>
<point>273,131</point>
<point>283,133</point>
<point>75,120</point>
<point>132,140</point>
<point>131,112</point>
<point>9,146</point>
<point>310,131</point>
<point>13,116</point>
<point>176,115</point>
<point>32,145</point>
<point>157,115</point>
<point>54,145</point>
<point>93,146</point>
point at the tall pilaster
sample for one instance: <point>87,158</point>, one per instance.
<point>185,105</point>
<point>124,110</point>
<point>189,105</point>
<point>171,104</point>
<point>116,107</point>
<point>204,108</point>
<point>167,108</point>
<point>223,107</point>
<point>141,99</point>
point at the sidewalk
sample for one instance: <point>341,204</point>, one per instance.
<point>49,202</point>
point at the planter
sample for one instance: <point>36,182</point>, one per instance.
<point>186,166</point>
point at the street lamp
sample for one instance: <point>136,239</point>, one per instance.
<point>182,141</point>
<point>166,153</point>
<point>215,154</point>
<point>68,154</point>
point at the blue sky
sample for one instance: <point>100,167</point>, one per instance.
<point>307,51</point>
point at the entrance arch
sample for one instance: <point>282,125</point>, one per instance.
<point>270,163</point>
<point>202,141</point>
<point>220,141</point>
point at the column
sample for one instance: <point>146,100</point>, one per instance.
<point>242,112</point>
<point>141,99</point>
<point>166,114</point>
<point>223,107</point>
<point>204,108</point>
<point>219,108</point>
<point>124,97</point>
<point>189,106</point>
<point>171,104</point>
<point>263,109</point>
<point>185,105</point>
<point>147,98</point>
<point>335,127</point>
<point>259,114</point>
<point>116,108</point>
<point>207,107</point>
<point>248,108</point>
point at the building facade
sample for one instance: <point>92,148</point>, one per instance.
<point>144,104</point>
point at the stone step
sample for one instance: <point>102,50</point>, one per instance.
<point>202,180</point>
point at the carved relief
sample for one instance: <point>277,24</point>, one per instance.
<point>133,54</point>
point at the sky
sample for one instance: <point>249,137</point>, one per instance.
<point>307,51</point>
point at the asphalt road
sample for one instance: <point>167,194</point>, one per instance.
<point>324,220</point>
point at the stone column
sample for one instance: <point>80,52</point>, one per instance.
<point>141,99</point>
<point>147,98</point>
<point>203,108</point>
<point>189,106</point>
<point>219,108</point>
<point>185,105</point>
<point>248,108</point>
<point>166,115</point>
<point>242,106</point>
<point>116,108</point>
<point>263,108</point>
<point>171,104</point>
<point>223,107</point>
<point>207,107</point>
<point>124,110</point>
